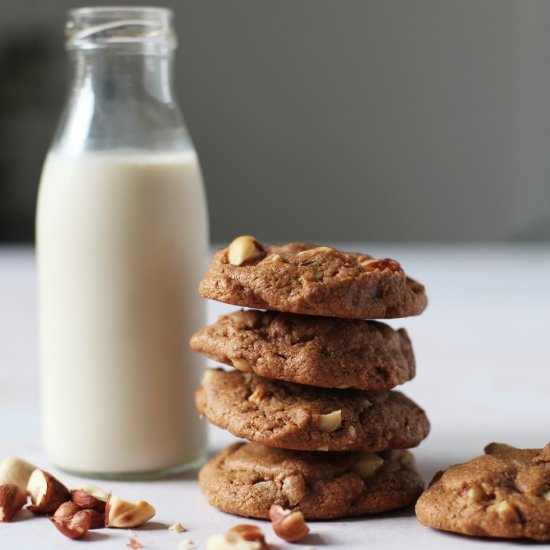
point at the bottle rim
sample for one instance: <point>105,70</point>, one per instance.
<point>130,27</point>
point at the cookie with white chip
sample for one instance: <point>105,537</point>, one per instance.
<point>503,494</point>
<point>247,478</point>
<point>295,416</point>
<point>318,351</point>
<point>311,280</point>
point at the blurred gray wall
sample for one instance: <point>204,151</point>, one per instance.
<point>326,120</point>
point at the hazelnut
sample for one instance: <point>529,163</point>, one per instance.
<point>69,509</point>
<point>126,515</point>
<point>367,465</point>
<point>47,493</point>
<point>90,497</point>
<point>331,421</point>
<point>16,470</point>
<point>243,249</point>
<point>12,499</point>
<point>232,541</point>
<point>250,533</point>
<point>66,510</point>
<point>384,264</point>
<point>288,525</point>
<point>71,521</point>
<point>97,520</point>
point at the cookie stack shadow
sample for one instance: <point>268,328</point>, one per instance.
<point>312,384</point>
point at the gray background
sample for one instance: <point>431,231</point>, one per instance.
<point>326,120</point>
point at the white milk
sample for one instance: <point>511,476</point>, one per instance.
<point>122,245</point>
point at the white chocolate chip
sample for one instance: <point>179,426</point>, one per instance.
<point>330,421</point>
<point>367,465</point>
<point>475,493</point>
<point>501,507</point>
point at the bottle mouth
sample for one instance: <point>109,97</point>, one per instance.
<point>131,28</point>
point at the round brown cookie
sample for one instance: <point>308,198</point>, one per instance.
<point>504,493</point>
<point>303,278</point>
<point>319,351</point>
<point>247,478</point>
<point>294,416</point>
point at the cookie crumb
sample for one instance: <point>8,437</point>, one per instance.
<point>177,528</point>
<point>133,543</point>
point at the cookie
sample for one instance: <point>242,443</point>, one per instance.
<point>294,416</point>
<point>303,278</point>
<point>319,351</point>
<point>504,493</point>
<point>247,478</point>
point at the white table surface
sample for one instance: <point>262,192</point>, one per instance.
<point>483,374</point>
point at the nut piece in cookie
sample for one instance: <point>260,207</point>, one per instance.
<point>502,494</point>
<point>243,249</point>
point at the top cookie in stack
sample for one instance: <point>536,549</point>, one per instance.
<point>316,375</point>
<point>311,280</point>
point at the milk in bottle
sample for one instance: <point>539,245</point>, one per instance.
<point>122,236</point>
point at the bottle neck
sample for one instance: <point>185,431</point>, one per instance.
<point>122,76</point>
<point>121,99</point>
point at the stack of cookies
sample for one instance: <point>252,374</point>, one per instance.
<point>311,388</point>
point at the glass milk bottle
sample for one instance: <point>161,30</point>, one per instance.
<point>122,237</point>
